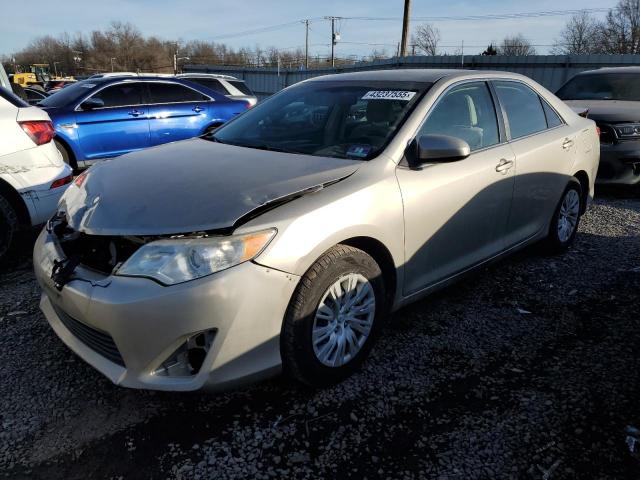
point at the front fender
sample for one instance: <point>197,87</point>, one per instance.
<point>366,204</point>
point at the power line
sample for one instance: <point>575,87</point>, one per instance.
<point>267,29</point>
<point>494,16</point>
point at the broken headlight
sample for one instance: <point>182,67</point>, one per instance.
<point>178,260</point>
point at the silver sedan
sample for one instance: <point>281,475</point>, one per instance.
<point>283,240</point>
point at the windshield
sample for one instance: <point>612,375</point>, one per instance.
<point>346,119</point>
<point>67,95</point>
<point>602,86</point>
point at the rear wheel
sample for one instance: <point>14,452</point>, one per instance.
<point>333,317</point>
<point>564,225</point>
<point>66,156</point>
<point>8,227</point>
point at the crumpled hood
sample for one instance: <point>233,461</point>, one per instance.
<point>190,186</point>
<point>613,111</point>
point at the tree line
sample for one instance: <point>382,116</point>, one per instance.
<point>617,33</point>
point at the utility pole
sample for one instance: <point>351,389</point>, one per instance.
<point>175,61</point>
<point>462,55</point>
<point>306,45</point>
<point>334,38</point>
<point>405,28</point>
<point>333,41</point>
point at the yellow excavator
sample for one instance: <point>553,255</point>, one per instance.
<point>38,74</point>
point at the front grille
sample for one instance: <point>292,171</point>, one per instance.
<point>100,342</point>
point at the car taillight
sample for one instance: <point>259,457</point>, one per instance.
<point>61,182</point>
<point>40,131</point>
<point>80,179</point>
<point>248,105</point>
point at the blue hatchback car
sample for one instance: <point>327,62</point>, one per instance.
<point>105,117</point>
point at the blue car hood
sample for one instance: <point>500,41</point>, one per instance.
<point>191,186</point>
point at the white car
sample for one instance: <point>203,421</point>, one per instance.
<point>227,85</point>
<point>33,175</point>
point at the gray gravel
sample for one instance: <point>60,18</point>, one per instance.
<point>528,368</point>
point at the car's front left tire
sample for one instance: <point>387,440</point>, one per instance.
<point>333,317</point>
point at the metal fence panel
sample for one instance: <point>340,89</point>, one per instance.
<point>550,71</point>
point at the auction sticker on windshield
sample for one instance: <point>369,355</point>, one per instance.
<point>389,95</point>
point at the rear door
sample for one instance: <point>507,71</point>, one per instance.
<point>544,146</point>
<point>118,127</point>
<point>176,111</point>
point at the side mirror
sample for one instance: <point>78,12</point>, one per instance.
<point>92,103</point>
<point>441,148</point>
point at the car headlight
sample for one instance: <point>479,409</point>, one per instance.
<point>628,130</point>
<point>178,260</point>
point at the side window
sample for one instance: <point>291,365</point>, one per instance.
<point>523,108</point>
<point>210,83</point>
<point>553,119</point>
<point>174,93</point>
<point>120,95</point>
<point>465,112</point>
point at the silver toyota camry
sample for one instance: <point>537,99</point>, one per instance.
<point>281,241</point>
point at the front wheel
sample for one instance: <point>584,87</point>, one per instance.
<point>565,221</point>
<point>333,317</point>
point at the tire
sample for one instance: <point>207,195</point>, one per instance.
<point>65,155</point>
<point>8,228</point>
<point>566,220</point>
<point>212,128</point>
<point>308,313</point>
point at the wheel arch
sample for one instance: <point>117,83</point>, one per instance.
<point>583,179</point>
<point>16,201</point>
<point>381,254</point>
<point>73,159</point>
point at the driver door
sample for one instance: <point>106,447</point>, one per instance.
<point>121,125</point>
<point>456,213</point>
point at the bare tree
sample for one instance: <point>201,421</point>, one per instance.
<point>580,35</point>
<point>620,31</point>
<point>426,39</point>
<point>516,45</point>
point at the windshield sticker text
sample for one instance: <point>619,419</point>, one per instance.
<point>389,95</point>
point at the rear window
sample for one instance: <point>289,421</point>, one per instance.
<point>211,84</point>
<point>173,93</point>
<point>602,86</point>
<point>240,85</point>
<point>12,98</point>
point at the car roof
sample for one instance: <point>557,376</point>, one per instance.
<point>412,75</point>
<point>632,69</point>
<point>207,75</point>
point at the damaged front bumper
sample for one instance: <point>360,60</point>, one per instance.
<point>136,331</point>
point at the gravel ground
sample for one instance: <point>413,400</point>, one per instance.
<point>528,369</point>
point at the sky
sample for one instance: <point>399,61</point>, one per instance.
<point>212,20</point>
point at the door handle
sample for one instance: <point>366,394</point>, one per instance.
<point>198,109</point>
<point>567,144</point>
<point>504,166</point>
<point>136,113</point>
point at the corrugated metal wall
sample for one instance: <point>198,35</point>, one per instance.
<point>549,70</point>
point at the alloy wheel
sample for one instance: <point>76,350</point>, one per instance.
<point>568,216</point>
<point>343,320</point>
